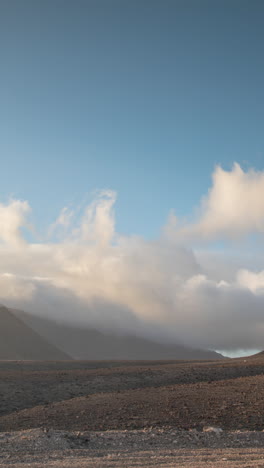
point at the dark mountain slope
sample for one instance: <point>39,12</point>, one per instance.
<point>19,342</point>
<point>91,344</point>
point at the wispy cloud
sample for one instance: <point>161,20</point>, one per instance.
<point>12,218</point>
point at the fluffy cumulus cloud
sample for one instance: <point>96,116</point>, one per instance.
<point>93,276</point>
<point>232,208</point>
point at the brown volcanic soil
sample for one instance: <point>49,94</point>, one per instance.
<point>129,395</point>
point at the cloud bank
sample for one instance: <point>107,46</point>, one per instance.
<point>93,276</point>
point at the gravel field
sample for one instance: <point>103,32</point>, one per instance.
<point>164,447</point>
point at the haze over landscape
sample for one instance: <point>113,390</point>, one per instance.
<point>132,169</point>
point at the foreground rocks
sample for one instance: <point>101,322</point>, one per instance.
<point>166,447</point>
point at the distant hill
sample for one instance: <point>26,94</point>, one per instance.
<point>256,356</point>
<point>19,342</point>
<point>91,344</point>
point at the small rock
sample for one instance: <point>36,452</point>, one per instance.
<point>216,430</point>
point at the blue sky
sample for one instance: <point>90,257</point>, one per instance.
<point>142,97</point>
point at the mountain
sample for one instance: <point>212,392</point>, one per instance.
<point>20,342</point>
<point>91,344</point>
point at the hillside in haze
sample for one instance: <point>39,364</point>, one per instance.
<point>81,343</point>
<point>257,356</point>
<point>20,342</point>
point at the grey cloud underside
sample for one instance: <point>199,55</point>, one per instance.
<point>204,315</point>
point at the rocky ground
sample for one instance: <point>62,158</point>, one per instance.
<point>163,447</point>
<point>122,414</point>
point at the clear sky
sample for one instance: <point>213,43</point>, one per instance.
<point>144,97</point>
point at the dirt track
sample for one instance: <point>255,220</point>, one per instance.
<point>211,458</point>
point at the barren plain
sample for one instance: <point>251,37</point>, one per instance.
<point>125,413</point>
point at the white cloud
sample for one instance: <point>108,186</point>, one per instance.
<point>98,223</point>
<point>233,208</point>
<point>62,222</point>
<point>12,218</point>
<point>251,280</point>
<point>95,277</point>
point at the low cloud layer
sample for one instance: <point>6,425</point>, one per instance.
<point>161,289</point>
